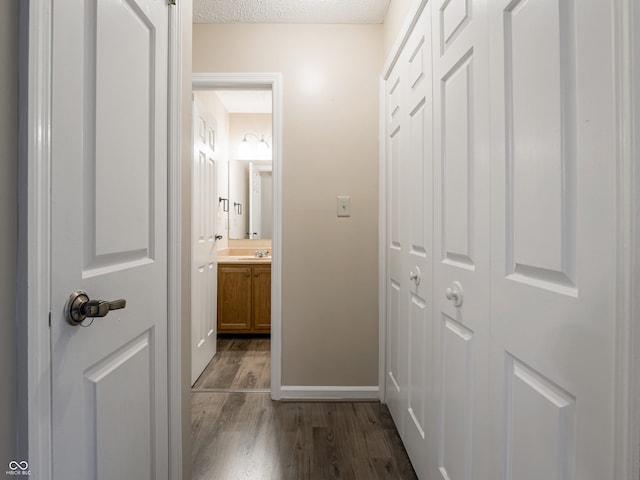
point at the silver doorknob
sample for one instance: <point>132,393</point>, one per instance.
<point>416,276</point>
<point>79,307</point>
<point>454,293</point>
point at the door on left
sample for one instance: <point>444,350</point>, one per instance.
<point>109,238</point>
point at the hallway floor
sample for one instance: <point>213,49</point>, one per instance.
<point>240,433</point>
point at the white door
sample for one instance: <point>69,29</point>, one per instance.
<point>553,239</point>
<point>461,245</point>
<point>109,238</point>
<point>397,280</point>
<point>417,220</point>
<point>204,265</point>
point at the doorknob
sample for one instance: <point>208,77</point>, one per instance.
<point>79,307</point>
<point>218,237</point>
<point>416,276</point>
<point>454,293</point>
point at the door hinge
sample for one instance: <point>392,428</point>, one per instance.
<point>172,2</point>
<point>49,319</point>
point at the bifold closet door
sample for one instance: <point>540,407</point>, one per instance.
<point>418,256</point>
<point>553,239</point>
<point>397,281</point>
<point>462,239</point>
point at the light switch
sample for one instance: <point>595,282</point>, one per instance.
<point>344,206</point>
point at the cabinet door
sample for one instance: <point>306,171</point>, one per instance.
<point>262,298</point>
<point>234,298</point>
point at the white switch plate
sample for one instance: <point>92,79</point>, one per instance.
<point>344,206</point>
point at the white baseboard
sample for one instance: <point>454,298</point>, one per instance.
<point>292,392</point>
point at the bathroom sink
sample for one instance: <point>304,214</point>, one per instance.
<point>248,258</point>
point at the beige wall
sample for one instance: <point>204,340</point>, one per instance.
<point>186,16</point>
<point>9,226</point>
<point>394,20</point>
<point>330,148</point>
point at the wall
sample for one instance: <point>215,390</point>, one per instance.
<point>330,148</point>
<point>397,14</point>
<point>8,220</point>
<point>186,19</point>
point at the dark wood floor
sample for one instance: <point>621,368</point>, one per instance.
<point>240,364</point>
<point>240,433</point>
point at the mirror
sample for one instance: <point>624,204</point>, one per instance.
<point>250,174</point>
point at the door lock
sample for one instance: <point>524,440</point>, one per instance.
<point>79,307</point>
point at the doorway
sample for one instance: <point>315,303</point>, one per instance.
<point>232,232</point>
<point>245,112</point>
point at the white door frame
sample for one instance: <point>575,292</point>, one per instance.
<point>34,275</point>
<point>627,373</point>
<point>272,81</point>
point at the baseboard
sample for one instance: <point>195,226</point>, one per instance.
<point>332,393</point>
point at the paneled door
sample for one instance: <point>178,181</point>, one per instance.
<point>553,239</point>
<point>204,257</point>
<point>109,239</point>
<point>461,245</point>
<point>397,280</point>
<point>417,220</point>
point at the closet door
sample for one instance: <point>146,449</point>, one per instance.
<point>397,281</point>
<point>553,239</point>
<point>461,220</point>
<point>418,255</point>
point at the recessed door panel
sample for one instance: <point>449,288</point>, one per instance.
<point>456,415</point>
<point>119,127</point>
<point>454,15</point>
<point>541,144</point>
<point>544,448</point>
<point>127,440</point>
<point>458,162</point>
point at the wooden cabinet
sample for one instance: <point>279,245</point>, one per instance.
<point>244,298</point>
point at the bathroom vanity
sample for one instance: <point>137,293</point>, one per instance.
<point>244,295</point>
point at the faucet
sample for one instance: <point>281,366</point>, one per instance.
<point>262,253</point>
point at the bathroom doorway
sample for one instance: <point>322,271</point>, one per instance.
<point>239,117</point>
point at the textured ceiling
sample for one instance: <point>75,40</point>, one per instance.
<point>289,11</point>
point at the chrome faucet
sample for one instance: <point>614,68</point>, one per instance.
<point>262,253</point>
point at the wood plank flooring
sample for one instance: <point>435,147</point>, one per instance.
<point>238,432</point>
<point>240,364</point>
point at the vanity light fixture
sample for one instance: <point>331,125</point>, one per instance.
<point>259,138</point>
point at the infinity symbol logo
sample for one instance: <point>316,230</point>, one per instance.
<point>13,465</point>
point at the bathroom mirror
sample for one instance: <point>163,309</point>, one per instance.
<point>250,169</point>
<point>250,199</point>
<point>243,152</point>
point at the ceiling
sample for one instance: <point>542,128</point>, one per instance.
<point>246,101</point>
<point>289,11</point>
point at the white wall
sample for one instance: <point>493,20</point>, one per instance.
<point>397,14</point>
<point>8,224</point>
<point>330,148</point>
